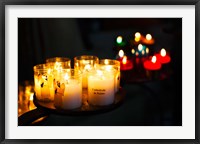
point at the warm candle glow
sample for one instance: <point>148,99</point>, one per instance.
<point>99,72</point>
<point>119,39</point>
<point>136,53</point>
<point>163,52</point>
<point>124,60</point>
<point>133,51</point>
<point>87,67</point>
<point>49,71</point>
<point>121,53</point>
<point>31,96</point>
<point>137,39</point>
<point>137,35</point>
<point>142,52</point>
<point>140,47</point>
<point>106,62</point>
<point>58,66</point>
<point>66,77</point>
<point>148,37</point>
<point>153,59</point>
<point>147,50</point>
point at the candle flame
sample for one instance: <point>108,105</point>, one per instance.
<point>163,52</point>
<point>132,51</point>
<point>147,50</point>
<point>58,66</point>
<point>66,76</point>
<point>137,35</point>
<point>142,52</point>
<point>106,62</point>
<point>153,59</point>
<point>148,37</point>
<point>121,53</point>
<point>124,60</point>
<point>140,47</point>
<point>137,39</point>
<point>87,67</point>
<point>49,71</point>
<point>31,96</point>
<point>119,39</point>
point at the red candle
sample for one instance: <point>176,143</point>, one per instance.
<point>152,64</point>
<point>163,57</point>
<point>125,63</point>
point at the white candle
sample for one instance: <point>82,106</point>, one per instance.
<point>69,95</point>
<point>100,88</point>
<point>115,73</point>
<point>85,64</point>
<point>112,66</point>
<point>72,95</point>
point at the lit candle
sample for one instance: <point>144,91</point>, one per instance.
<point>31,104</point>
<point>126,64</point>
<point>137,37</point>
<point>85,64</point>
<point>163,57</point>
<point>121,53</point>
<point>112,66</point>
<point>133,51</point>
<point>25,97</point>
<point>148,39</point>
<point>43,79</point>
<point>147,51</point>
<point>120,42</point>
<point>140,47</point>
<point>101,88</point>
<point>141,52</point>
<point>70,91</point>
<point>55,71</point>
<point>152,64</point>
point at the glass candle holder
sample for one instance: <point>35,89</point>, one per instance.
<point>112,66</point>
<point>44,82</point>
<point>59,62</point>
<point>85,64</point>
<point>25,97</point>
<point>101,87</point>
<point>69,90</point>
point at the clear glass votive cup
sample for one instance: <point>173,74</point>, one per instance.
<point>112,66</point>
<point>101,91</point>
<point>44,82</point>
<point>59,62</point>
<point>85,63</point>
<point>69,90</point>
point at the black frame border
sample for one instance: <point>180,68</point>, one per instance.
<point>196,3</point>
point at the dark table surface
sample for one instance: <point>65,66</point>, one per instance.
<point>153,103</point>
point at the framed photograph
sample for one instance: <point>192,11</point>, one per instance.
<point>102,72</point>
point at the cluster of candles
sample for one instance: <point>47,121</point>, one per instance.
<point>141,53</point>
<point>55,81</point>
<point>152,63</point>
<point>147,40</point>
<point>25,98</point>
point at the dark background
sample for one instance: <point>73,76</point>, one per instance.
<point>146,104</point>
